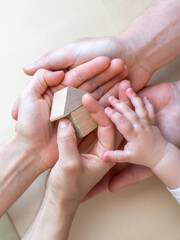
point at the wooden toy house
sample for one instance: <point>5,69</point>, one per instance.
<point>67,103</point>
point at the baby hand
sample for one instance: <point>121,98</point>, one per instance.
<point>145,143</point>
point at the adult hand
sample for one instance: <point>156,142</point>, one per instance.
<point>33,106</point>
<point>24,156</point>
<point>143,51</point>
<point>74,174</point>
<point>83,50</point>
<point>33,116</point>
<point>96,76</point>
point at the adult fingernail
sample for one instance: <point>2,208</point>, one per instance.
<point>30,65</point>
<point>63,123</point>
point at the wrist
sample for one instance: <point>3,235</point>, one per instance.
<point>60,202</point>
<point>29,154</point>
<point>135,51</point>
<point>151,36</point>
<point>168,168</point>
<point>55,218</point>
<point>18,169</point>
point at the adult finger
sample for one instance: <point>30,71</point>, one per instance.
<point>67,144</point>
<point>116,67</point>
<point>118,90</point>
<point>103,89</point>
<point>106,130</point>
<point>82,73</point>
<point>43,79</point>
<point>117,156</point>
<point>130,175</point>
<point>114,89</point>
<point>87,143</point>
<point>112,92</point>
<point>123,86</point>
<point>58,59</point>
<point>99,83</point>
<point>15,108</point>
<point>38,85</point>
<point>102,185</point>
<point>150,110</point>
<point>86,71</point>
<point>76,76</point>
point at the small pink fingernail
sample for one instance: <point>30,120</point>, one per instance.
<point>129,90</point>
<point>105,156</point>
<point>145,99</point>
<point>108,110</point>
<point>112,98</point>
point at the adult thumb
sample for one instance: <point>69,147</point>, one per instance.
<point>67,142</point>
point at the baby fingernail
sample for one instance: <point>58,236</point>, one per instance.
<point>112,98</point>
<point>105,156</point>
<point>129,90</point>
<point>108,110</point>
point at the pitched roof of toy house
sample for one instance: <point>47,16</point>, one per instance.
<point>66,101</point>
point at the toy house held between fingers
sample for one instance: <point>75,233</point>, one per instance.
<point>67,103</point>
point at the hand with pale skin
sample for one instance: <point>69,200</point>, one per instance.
<point>143,55</point>
<point>34,149</point>
<point>145,144</point>
<point>40,128</point>
<point>167,109</point>
<point>86,49</point>
<point>96,76</point>
<point>142,51</point>
<point>72,176</point>
<point>144,139</point>
<point>25,154</point>
<point>86,169</point>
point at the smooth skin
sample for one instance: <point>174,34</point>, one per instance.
<point>145,144</point>
<point>75,174</point>
<point>96,76</point>
<point>166,105</point>
<point>144,52</point>
<point>167,109</point>
<point>72,177</point>
<point>33,149</point>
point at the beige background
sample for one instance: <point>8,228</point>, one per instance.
<point>30,28</point>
